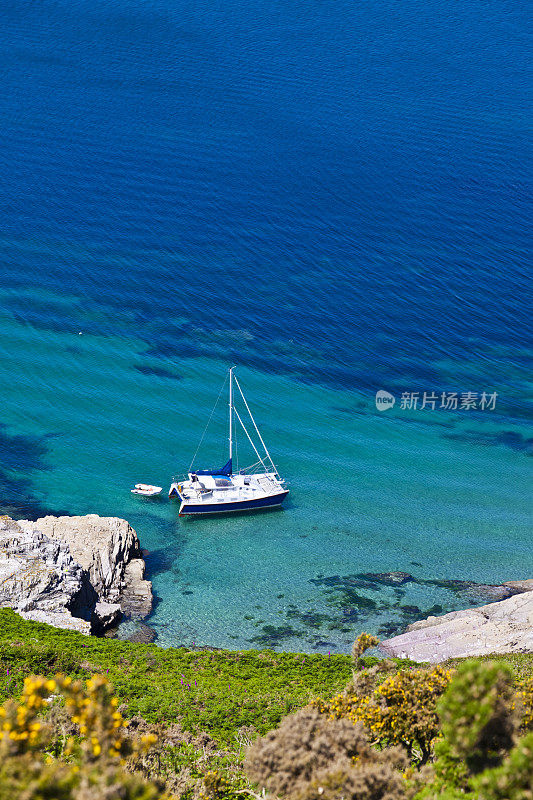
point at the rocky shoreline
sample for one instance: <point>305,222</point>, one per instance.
<point>87,573</point>
<point>78,573</point>
<point>500,627</point>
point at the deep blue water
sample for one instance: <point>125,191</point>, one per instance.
<point>336,199</point>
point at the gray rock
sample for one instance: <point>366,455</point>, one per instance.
<point>39,577</point>
<point>69,571</point>
<point>136,597</point>
<point>103,546</point>
<point>503,627</point>
<point>59,619</point>
<point>108,548</point>
<point>106,615</point>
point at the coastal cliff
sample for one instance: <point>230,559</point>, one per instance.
<point>108,549</point>
<point>79,573</point>
<point>502,627</point>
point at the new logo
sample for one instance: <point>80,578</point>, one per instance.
<point>384,400</point>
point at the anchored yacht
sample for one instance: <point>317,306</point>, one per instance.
<point>217,491</point>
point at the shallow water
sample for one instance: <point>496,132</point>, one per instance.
<point>335,203</point>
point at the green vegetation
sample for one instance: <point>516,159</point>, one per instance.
<point>217,692</point>
<point>223,725</point>
<point>357,746</point>
<point>398,708</point>
<point>38,759</point>
<point>521,664</point>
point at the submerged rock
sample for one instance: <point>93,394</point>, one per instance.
<point>387,578</point>
<point>502,627</point>
<point>478,591</point>
<point>143,634</point>
<point>520,586</point>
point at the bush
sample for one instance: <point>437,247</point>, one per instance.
<point>91,764</point>
<point>513,780</point>
<point>478,721</point>
<point>401,710</point>
<point>524,697</point>
<point>310,755</point>
<point>363,643</point>
<point>479,725</point>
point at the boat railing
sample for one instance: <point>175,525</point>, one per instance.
<point>259,468</point>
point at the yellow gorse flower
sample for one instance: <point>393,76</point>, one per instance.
<point>400,710</point>
<point>93,708</point>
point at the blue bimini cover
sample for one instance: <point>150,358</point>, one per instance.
<point>225,470</point>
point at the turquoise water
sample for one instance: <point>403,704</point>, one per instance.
<point>335,202</point>
<point>370,492</point>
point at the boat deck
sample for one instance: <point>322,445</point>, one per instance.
<point>218,493</point>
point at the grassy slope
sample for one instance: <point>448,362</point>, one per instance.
<point>217,692</point>
<point>520,663</point>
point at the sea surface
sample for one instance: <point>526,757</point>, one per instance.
<point>333,197</point>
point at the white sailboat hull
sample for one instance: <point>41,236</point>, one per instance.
<point>233,493</point>
<point>221,490</point>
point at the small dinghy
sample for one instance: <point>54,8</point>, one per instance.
<point>146,489</point>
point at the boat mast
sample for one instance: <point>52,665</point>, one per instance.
<point>230,412</point>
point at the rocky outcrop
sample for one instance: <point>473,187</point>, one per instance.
<point>60,619</point>
<point>136,594</point>
<point>79,573</point>
<point>109,550</point>
<point>106,615</point>
<point>502,627</point>
<point>41,581</point>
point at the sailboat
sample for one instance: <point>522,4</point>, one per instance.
<point>218,491</point>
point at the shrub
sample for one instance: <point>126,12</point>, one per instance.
<point>524,696</point>
<point>91,767</point>
<point>363,643</point>
<point>219,786</point>
<point>478,721</point>
<point>401,710</point>
<point>513,780</point>
<point>478,730</point>
<point>311,755</point>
